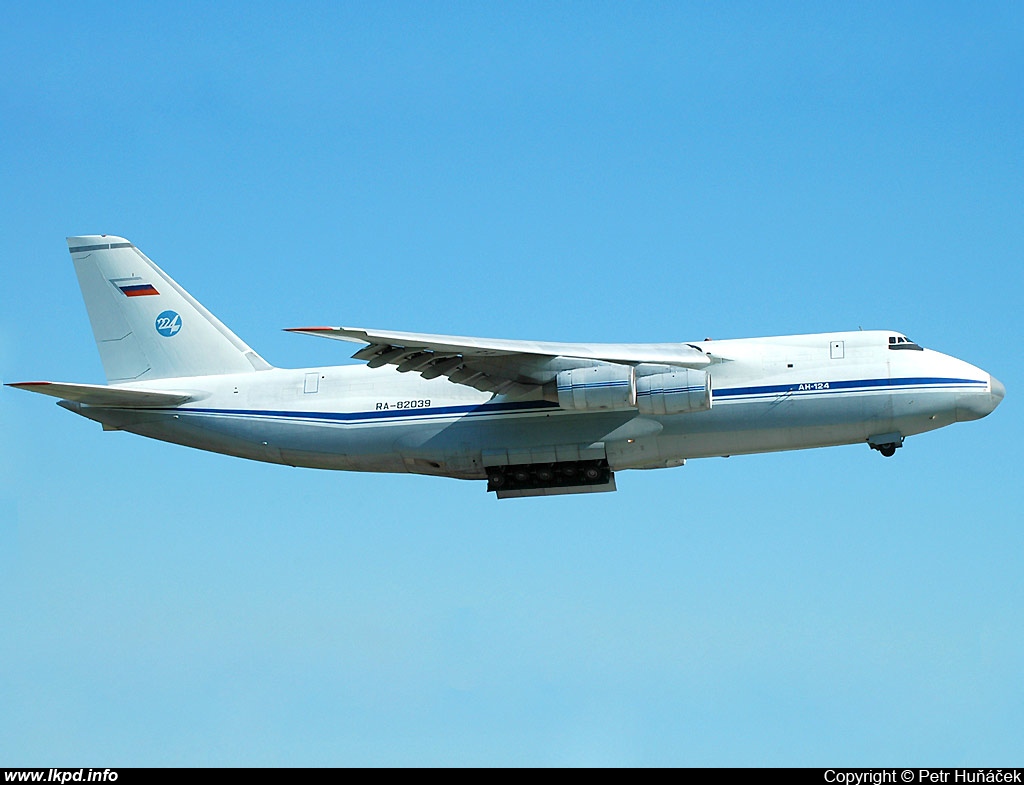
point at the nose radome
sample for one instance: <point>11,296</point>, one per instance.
<point>998,390</point>
<point>975,405</point>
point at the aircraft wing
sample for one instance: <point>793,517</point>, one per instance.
<point>497,365</point>
<point>108,397</point>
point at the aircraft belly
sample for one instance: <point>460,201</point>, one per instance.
<point>455,440</point>
<point>792,422</point>
<point>458,448</point>
<point>455,446</point>
<point>305,443</point>
<point>632,441</point>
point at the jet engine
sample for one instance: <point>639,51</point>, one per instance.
<point>674,393</point>
<point>600,388</point>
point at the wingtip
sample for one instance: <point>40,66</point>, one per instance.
<point>309,329</point>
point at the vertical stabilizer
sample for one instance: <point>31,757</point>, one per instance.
<point>146,326</point>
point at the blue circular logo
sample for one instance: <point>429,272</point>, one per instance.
<point>168,323</point>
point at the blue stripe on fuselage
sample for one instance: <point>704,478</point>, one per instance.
<point>728,394</point>
<point>852,385</point>
<point>506,407</point>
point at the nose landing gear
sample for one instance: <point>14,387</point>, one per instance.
<point>886,443</point>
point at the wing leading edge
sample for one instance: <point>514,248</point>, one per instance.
<point>514,368</point>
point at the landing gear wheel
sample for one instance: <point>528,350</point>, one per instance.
<point>888,450</point>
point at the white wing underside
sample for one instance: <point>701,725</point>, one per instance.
<point>513,368</point>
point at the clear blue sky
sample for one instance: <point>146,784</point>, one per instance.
<point>563,171</point>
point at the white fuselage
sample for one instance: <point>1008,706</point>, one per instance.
<point>768,394</point>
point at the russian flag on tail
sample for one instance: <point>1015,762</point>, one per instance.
<point>134,287</point>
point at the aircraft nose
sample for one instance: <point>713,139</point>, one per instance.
<point>975,405</point>
<point>998,391</point>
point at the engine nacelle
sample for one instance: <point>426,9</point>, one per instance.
<point>601,388</point>
<point>674,393</point>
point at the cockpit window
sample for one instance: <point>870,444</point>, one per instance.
<point>902,342</point>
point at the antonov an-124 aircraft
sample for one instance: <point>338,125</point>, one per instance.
<point>531,418</point>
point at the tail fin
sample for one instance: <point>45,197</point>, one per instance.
<point>146,326</point>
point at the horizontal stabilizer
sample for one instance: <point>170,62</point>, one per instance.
<point>109,397</point>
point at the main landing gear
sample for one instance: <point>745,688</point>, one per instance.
<point>566,474</point>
